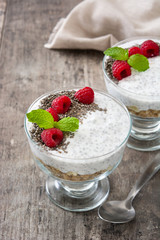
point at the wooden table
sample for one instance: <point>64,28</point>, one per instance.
<point>28,70</point>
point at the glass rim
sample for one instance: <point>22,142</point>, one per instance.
<point>75,158</point>
<point>148,97</point>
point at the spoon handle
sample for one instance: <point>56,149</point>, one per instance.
<point>153,167</point>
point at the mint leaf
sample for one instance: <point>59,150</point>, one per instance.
<point>117,53</point>
<point>67,124</point>
<point>43,118</point>
<point>138,62</point>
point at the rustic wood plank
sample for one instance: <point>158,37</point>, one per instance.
<point>27,71</point>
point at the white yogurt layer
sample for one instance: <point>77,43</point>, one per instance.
<point>93,145</point>
<point>144,83</point>
<point>141,89</point>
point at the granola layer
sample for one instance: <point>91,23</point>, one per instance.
<point>150,113</point>
<point>72,176</point>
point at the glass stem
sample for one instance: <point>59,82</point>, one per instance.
<point>79,189</point>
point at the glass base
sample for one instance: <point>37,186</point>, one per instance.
<point>77,196</point>
<point>141,145</point>
<point>145,134</point>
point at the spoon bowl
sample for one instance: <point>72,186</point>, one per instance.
<point>116,212</point>
<point>123,211</point>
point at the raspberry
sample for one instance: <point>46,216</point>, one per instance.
<point>134,50</point>
<point>85,95</point>
<point>52,137</point>
<point>61,104</point>
<point>121,69</point>
<point>150,49</point>
<point>53,113</point>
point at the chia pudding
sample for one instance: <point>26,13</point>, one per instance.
<point>140,91</point>
<point>96,147</point>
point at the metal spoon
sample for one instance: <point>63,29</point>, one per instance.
<point>123,211</point>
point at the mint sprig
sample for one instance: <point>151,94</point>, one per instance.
<point>45,120</point>
<point>138,62</point>
<point>117,53</point>
<point>67,124</point>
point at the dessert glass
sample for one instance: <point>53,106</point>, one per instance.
<point>66,188</point>
<point>144,109</point>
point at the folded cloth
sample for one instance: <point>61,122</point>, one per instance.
<point>98,24</point>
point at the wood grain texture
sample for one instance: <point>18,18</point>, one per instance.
<point>2,15</point>
<point>28,70</point>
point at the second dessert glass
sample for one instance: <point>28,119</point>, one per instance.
<point>145,133</point>
<point>78,192</point>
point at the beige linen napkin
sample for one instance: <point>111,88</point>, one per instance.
<point>98,24</point>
